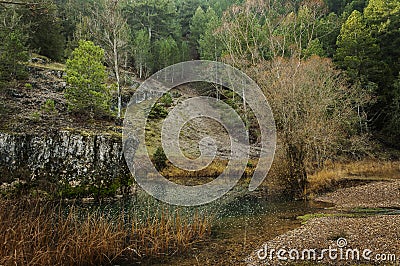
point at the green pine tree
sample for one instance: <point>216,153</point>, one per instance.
<point>209,43</point>
<point>13,50</point>
<point>357,49</point>
<point>167,52</point>
<point>87,92</point>
<point>197,27</point>
<point>142,53</point>
<point>45,30</point>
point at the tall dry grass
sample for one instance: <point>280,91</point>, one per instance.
<point>33,232</point>
<point>212,171</point>
<point>368,170</point>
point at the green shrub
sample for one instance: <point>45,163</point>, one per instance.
<point>158,111</point>
<point>166,100</point>
<point>35,116</point>
<point>159,159</point>
<point>49,106</point>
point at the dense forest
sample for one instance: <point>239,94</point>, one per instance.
<point>362,37</point>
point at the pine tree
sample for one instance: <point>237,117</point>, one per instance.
<point>197,27</point>
<point>357,49</point>
<point>314,48</point>
<point>186,11</point>
<point>167,52</point>
<point>13,50</point>
<point>45,30</point>
<point>142,53</point>
<point>158,17</point>
<point>209,43</point>
<point>87,92</point>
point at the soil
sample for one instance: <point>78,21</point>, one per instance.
<point>23,107</point>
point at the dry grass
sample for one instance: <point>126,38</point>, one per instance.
<point>50,66</point>
<point>207,174</point>
<point>38,233</point>
<point>366,170</point>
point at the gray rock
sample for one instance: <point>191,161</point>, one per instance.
<point>62,157</point>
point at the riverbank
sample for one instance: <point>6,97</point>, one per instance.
<point>365,221</point>
<point>36,232</point>
<point>373,195</point>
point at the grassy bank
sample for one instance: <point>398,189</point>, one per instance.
<point>44,233</point>
<point>338,175</point>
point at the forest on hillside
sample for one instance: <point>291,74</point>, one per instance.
<point>361,37</point>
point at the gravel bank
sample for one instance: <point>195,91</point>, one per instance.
<point>379,234</point>
<point>373,195</point>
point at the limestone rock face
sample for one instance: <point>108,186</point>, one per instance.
<point>62,157</point>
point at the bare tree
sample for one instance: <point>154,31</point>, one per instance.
<point>111,31</point>
<point>312,106</point>
<point>314,109</point>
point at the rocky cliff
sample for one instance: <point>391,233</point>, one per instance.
<point>64,162</point>
<point>44,147</point>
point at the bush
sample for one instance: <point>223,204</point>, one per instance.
<point>158,111</point>
<point>166,100</point>
<point>49,106</point>
<point>160,159</point>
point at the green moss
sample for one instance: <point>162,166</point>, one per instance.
<point>370,211</point>
<point>83,191</point>
<point>357,212</point>
<point>305,218</point>
<point>114,134</point>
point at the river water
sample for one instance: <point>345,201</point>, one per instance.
<point>242,223</point>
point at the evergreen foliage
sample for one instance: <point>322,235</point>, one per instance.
<point>87,92</point>
<point>13,50</point>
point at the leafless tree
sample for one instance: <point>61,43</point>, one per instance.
<point>314,109</point>
<point>110,30</point>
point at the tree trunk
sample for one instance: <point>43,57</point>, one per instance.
<point>297,170</point>
<point>116,71</point>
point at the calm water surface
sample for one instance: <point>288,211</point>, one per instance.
<point>242,223</point>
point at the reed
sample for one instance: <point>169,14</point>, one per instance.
<point>34,232</point>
